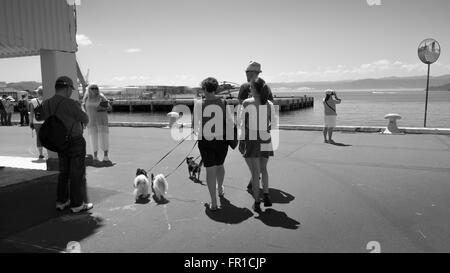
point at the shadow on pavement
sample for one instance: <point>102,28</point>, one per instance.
<point>277,196</point>
<point>229,214</point>
<point>27,206</point>
<point>275,218</point>
<point>196,180</point>
<point>339,144</point>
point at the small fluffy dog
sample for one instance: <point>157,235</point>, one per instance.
<point>160,187</point>
<point>141,185</point>
<point>194,168</point>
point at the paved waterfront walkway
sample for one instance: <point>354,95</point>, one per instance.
<point>393,189</point>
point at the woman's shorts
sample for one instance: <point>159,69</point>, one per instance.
<point>213,152</point>
<point>252,148</point>
<point>330,121</point>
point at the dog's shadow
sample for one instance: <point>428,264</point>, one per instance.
<point>160,201</point>
<point>229,213</point>
<point>277,196</point>
<point>275,218</point>
<point>196,180</point>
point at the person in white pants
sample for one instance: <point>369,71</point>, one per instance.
<point>97,106</point>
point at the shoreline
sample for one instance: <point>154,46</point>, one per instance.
<point>297,127</point>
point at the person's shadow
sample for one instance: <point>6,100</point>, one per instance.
<point>229,213</point>
<point>275,218</point>
<point>339,144</point>
<point>277,196</point>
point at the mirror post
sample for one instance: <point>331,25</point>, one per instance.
<point>426,97</point>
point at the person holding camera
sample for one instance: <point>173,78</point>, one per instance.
<point>96,105</point>
<point>329,106</point>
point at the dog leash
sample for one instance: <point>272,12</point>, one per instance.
<point>184,159</point>
<point>170,151</point>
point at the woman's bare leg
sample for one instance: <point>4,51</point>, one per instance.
<point>211,178</point>
<point>264,174</point>
<point>220,177</point>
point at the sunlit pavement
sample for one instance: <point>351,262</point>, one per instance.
<point>369,190</point>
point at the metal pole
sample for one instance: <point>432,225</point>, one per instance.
<point>426,97</point>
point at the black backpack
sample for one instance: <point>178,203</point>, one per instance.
<point>21,105</point>
<point>53,133</point>
<point>38,110</point>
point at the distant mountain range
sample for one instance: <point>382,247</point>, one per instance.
<point>30,85</point>
<point>441,83</point>
<point>415,82</point>
<point>445,87</point>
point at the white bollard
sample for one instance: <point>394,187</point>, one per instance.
<point>392,125</point>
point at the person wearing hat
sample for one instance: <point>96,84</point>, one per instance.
<point>252,73</point>
<point>34,123</point>
<point>71,162</point>
<point>9,108</point>
<point>330,114</point>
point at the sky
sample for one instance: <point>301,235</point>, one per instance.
<point>181,42</point>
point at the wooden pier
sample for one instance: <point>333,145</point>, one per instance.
<point>138,105</point>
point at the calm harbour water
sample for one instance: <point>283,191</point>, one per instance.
<point>361,108</point>
<point>364,108</point>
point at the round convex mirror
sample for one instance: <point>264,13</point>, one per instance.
<point>429,51</point>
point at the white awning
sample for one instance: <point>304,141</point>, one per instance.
<point>27,26</point>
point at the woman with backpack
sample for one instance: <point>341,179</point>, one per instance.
<point>35,112</point>
<point>96,105</point>
<point>330,114</point>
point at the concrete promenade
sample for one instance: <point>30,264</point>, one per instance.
<point>393,189</point>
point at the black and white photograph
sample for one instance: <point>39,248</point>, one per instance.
<point>232,129</point>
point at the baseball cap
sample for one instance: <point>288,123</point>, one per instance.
<point>64,81</point>
<point>253,66</point>
<point>328,91</point>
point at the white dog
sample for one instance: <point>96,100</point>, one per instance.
<point>141,185</point>
<point>160,187</point>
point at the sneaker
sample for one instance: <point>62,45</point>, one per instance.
<point>267,201</point>
<point>61,206</point>
<point>257,207</point>
<point>84,207</point>
<point>214,208</point>
<point>107,162</point>
<point>325,141</point>
<point>41,157</point>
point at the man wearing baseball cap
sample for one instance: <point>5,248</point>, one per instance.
<point>71,162</point>
<point>252,72</point>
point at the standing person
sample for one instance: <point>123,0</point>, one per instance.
<point>252,72</point>
<point>256,142</point>
<point>23,108</point>
<point>9,107</point>
<point>330,114</point>
<point>96,106</point>
<point>35,105</point>
<point>3,111</point>
<point>71,188</point>
<point>212,142</point>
